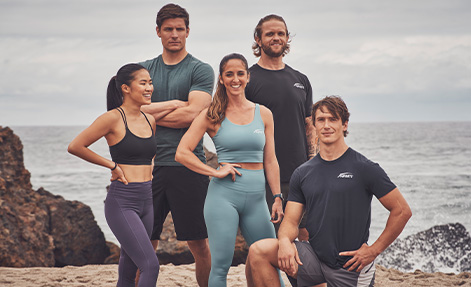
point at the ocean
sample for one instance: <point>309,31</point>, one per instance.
<point>430,162</point>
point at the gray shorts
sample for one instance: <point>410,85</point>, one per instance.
<point>314,272</point>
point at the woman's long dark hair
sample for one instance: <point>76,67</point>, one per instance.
<point>114,93</point>
<point>217,110</point>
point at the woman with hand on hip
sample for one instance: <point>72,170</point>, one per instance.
<point>243,135</point>
<point>130,136</point>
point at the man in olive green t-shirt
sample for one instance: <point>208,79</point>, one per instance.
<point>182,89</point>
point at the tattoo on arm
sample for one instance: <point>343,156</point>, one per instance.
<point>312,139</point>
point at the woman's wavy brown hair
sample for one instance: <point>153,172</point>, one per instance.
<point>217,109</point>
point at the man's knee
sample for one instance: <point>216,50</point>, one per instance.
<point>199,248</point>
<point>263,250</point>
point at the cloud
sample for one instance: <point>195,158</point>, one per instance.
<point>57,57</point>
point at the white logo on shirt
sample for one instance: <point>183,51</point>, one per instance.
<point>345,175</point>
<point>258,131</point>
<point>299,85</point>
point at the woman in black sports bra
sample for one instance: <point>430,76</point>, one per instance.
<point>130,136</point>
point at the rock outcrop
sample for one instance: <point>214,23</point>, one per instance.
<point>445,248</point>
<point>37,227</point>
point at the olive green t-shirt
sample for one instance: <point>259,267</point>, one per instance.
<point>175,82</point>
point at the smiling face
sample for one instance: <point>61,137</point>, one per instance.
<point>141,88</point>
<point>173,33</point>
<point>234,77</point>
<point>274,40</point>
<point>329,127</point>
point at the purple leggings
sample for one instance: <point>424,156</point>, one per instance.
<point>130,215</point>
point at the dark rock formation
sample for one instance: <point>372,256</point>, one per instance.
<point>445,248</point>
<point>37,227</point>
<point>113,258</point>
<point>78,240</point>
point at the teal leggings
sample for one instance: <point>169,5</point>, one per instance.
<point>230,205</point>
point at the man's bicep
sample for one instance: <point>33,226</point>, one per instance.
<point>393,199</point>
<point>198,100</point>
<point>293,212</point>
<point>203,79</point>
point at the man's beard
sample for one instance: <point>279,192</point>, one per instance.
<point>269,52</point>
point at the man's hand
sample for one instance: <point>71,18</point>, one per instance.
<point>361,258</point>
<point>288,258</point>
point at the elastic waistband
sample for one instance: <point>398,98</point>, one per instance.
<point>249,181</point>
<point>140,190</point>
<point>117,182</point>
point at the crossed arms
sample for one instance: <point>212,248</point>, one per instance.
<point>178,114</point>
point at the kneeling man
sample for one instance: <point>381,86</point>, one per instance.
<point>336,188</point>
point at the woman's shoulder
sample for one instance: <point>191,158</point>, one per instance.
<point>111,115</point>
<point>264,111</point>
<point>266,115</point>
<point>107,121</point>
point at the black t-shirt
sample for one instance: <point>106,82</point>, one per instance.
<point>337,197</point>
<point>288,94</point>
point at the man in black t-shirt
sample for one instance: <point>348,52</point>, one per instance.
<point>336,188</point>
<point>288,94</point>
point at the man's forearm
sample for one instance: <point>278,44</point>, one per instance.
<point>179,118</point>
<point>399,214</point>
<point>394,226</point>
<point>311,139</point>
<point>184,116</point>
<point>161,109</point>
<point>288,231</point>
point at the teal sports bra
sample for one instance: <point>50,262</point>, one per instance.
<point>241,143</point>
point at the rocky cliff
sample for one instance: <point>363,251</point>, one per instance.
<point>37,227</point>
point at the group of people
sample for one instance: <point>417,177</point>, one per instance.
<point>281,160</point>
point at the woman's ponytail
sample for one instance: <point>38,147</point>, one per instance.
<point>114,97</point>
<point>114,93</point>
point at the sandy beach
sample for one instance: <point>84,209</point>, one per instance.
<point>183,275</point>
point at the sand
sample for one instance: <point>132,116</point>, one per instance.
<point>183,275</point>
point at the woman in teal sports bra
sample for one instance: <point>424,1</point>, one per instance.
<point>242,133</point>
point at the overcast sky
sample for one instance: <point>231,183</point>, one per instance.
<point>391,61</point>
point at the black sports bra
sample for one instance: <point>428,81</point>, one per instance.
<point>132,149</point>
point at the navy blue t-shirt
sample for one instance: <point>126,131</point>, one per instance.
<point>337,197</point>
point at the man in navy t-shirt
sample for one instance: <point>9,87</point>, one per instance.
<point>335,188</point>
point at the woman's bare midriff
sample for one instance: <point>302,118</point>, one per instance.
<point>137,173</point>
<point>247,165</point>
